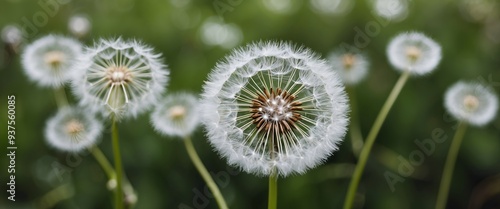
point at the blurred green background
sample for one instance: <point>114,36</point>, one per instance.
<point>194,35</point>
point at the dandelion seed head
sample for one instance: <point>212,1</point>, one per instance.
<point>274,107</point>
<point>120,78</point>
<point>414,52</point>
<point>51,60</point>
<point>471,102</point>
<point>176,115</point>
<point>12,34</point>
<point>351,67</point>
<point>72,130</point>
<point>79,25</point>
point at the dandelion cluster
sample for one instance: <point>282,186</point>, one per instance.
<point>351,67</point>
<point>414,52</point>
<point>51,60</point>
<point>272,107</point>
<point>72,129</point>
<point>120,78</point>
<point>176,115</point>
<point>471,102</point>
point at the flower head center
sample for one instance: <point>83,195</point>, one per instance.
<point>54,58</point>
<point>119,75</point>
<point>413,53</point>
<point>177,112</point>
<point>348,60</point>
<point>471,102</point>
<point>74,127</point>
<point>275,111</point>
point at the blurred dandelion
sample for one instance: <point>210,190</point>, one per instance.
<point>393,10</point>
<point>176,115</point>
<point>335,7</point>
<point>472,103</point>
<point>351,67</point>
<point>120,78</point>
<point>414,52</point>
<point>281,6</point>
<point>272,107</point>
<point>216,33</point>
<point>12,35</point>
<point>72,130</point>
<point>51,60</point>
<point>79,25</point>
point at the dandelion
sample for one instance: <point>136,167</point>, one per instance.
<point>394,10</point>
<point>12,35</point>
<point>274,109</point>
<point>411,53</point>
<point>271,106</point>
<point>332,7</point>
<point>120,78</point>
<point>471,102</point>
<point>351,67</point>
<point>79,25</point>
<point>72,130</point>
<point>176,115</point>
<point>414,52</point>
<point>50,61</point>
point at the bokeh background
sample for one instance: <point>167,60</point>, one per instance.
<point>193,35</point>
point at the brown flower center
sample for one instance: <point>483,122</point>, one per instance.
<point>118,75</point>
<point>275,112</point>
<point>177,112</point>
<point>413,53</point>
<point>348,60</point>
<point>471,102</point>
<point>74,127</point>
<point>54,58</point>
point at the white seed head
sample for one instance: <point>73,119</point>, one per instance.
<point>414,52</point>
<point>120,78</point>
<point>351,67</point>
<point>394,10</point>
<point>332,7</point>
<point>176,115</point>
<point>471,102</point>
<point>11,34</point>
<point>274,107</point>
<point>51,60</point>
<point>72,130</point>
<point>79,25</point>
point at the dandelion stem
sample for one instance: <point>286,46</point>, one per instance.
<point>354,129</point>
<point>55,196</point>
<point>103,161</point>
<point>118,166</point>
<point>273,191</point>
<point>372,135</point>
<point>60,96</point>
<point>204,173</point>
<point>449,166</point>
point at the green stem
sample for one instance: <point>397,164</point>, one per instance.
<point>60,95</point>
<point>354,129</point>
<point>204,173</point>
<point>273,191</point>
<point>444,187</point>
<point>103,162</point>
<point>372,135</point>
<point>118,166</point>
<point>55,196</point>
